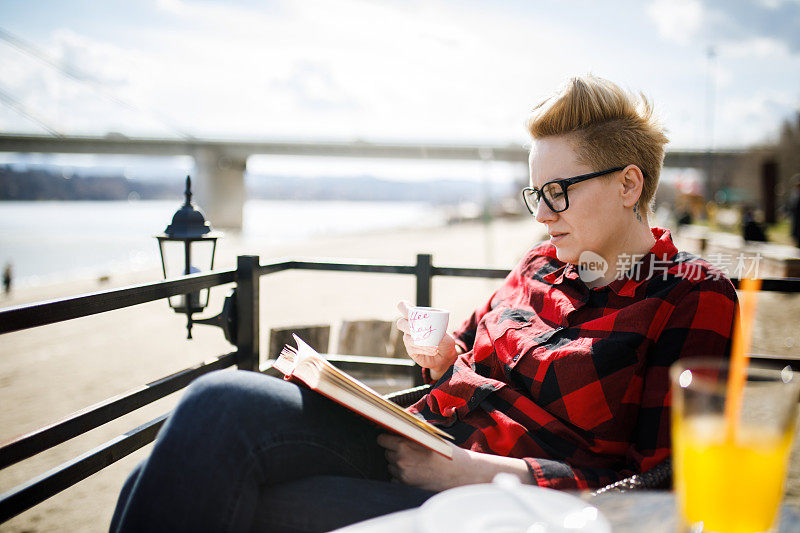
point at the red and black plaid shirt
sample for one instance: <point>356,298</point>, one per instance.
<point>575,380</point>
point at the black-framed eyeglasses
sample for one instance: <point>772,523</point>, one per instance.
<point>554,193</point>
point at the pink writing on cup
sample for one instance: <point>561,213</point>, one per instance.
<point>427,325</point>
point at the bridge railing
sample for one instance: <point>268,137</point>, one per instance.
<point>246,324</point>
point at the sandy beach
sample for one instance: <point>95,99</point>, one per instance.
<point>49,372</point>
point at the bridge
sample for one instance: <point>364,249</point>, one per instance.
<point>219,183</point>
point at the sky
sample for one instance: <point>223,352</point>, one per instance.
<point>722,73</point>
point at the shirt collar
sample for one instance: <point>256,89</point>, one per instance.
<point>565,271</point>
<point>642,270</point>
<point>662,250</point>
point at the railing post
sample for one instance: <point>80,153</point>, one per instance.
<point>247,303</point>
<point>424,275</point>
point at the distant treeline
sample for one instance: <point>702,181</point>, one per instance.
<point>52,183</point>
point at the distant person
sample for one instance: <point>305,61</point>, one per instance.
<point>560,377</point>
<point>752,229</point>
<point>684,217</point>
<point>794,210</point>
<point>7,278</point>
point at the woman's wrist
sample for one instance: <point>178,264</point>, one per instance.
<point>438,372</point>
<point>486,466</point>
<point>470,467</point>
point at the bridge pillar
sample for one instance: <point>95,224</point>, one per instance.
<point>220,191</point>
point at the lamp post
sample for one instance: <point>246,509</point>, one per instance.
<point>712,186</point>
<point>187,246</point>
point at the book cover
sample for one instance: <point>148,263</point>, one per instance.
<point>304,364</point>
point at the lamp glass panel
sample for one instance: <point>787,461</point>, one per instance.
<point>202,255</point>
<point>174,256</point>
<point>202,260</point>
<point>173,253</point>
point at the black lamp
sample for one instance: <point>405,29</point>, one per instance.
<point>187,246</point>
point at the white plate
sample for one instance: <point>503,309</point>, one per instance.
<point>500,508</point>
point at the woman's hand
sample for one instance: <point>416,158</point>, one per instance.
<point>437,359</point>
<point>415,465</point>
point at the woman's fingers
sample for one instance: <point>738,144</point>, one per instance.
<point>389,441</point>
<point>425,361</point>
<point>403,306</point>
<point>425,356</point>
<point>402,325</point>
<point>395,473</point>
<point>396,443</point>
<point>427,351</point>
<point>407,461</point>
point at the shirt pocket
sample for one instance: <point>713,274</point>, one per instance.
<point>524,343</point>
<point>512,332</point>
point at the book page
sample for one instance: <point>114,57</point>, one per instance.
<point>307,354</point>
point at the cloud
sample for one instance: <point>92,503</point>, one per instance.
<point>412,69</point>
<point>312,85</point>
<point>92,90</point>
<point>358,68</point>
<point>759,28</point>
<point>677,20</point>
<point>762,112</point>
<point>91,61</point>
<point>392,70</point>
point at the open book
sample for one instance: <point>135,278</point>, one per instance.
<point>306,365</point>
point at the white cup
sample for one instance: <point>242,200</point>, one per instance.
<point>427,325</point>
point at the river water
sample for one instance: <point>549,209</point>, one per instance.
<point>52,241</point>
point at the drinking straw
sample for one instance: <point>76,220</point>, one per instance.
<point>742,334</point>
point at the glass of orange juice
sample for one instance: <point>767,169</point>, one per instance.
<point>730,472</point>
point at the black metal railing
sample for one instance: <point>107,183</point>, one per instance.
<point>100,413</point>
<point>244,334</point>
<point>49,312</point>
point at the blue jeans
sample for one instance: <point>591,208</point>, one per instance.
<point>246,452</point>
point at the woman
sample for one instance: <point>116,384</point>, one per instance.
<point>560,378</point>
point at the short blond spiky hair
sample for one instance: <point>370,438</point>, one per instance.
<point>609,126</point>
